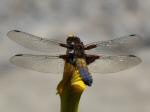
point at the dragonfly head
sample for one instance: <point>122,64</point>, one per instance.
<point>72,40</point>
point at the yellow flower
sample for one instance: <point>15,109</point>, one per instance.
<point>71,79</point>
<point>77,83</point>
<point>70,89</point>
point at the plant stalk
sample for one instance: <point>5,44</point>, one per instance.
<point>70,89</point>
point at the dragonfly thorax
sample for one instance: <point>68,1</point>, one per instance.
<point>75,48</point>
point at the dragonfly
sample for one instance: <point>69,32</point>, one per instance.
<point>111,56</point>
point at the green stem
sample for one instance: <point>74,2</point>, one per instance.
<point>70,99</point>
<point>70,89</point>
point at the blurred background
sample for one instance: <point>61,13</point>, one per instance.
<point>23,90</point>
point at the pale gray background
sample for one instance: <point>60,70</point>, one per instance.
<point>28,91</point>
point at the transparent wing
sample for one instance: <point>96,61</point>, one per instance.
<point>41,63</point>
<point>122,45</point>
<point>112,64</point>
<point>36,43</point>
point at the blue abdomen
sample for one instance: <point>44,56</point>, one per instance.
<point>86,77</point>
